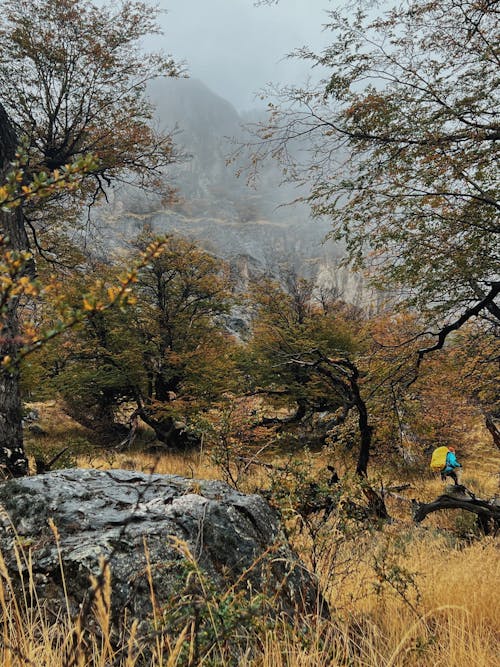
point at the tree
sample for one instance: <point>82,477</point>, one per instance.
<point>166,354</point>
<point>302,353</point>
<point>17,283</point>
<point>18,287</point>
<point>400,148</point>
<point>73,80</point>
<point>439,407</point>
<point>89,365</point>
<point>300,356</point>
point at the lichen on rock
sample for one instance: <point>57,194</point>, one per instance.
<point>117,515</point>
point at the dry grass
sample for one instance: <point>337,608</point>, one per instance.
<point>401,596</point>
<point>456,625</point>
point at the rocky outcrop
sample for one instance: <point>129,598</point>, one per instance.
<point>265,223</point>
<point>115,514</point>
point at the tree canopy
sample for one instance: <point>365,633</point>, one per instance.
<point>73,80</point>
<point>399,145</point>
<point>166,354</point>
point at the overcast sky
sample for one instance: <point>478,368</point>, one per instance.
<point>236,48</point>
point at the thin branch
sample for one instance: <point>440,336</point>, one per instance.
<point>454,326</point>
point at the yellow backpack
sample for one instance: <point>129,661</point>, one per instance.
<point>438,460</point>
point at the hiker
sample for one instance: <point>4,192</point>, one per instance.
<point>451,465</point>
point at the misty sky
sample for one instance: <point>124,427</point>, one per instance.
<point>236,48</point>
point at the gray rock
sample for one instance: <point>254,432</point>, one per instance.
<point>31,416</point>
<point>112,514</point>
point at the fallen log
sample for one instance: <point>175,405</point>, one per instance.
<point>459,497</point>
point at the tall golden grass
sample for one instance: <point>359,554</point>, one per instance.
<point>455,625</point>
<point>400,596</point>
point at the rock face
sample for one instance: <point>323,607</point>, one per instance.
<point>112,514</point>
<point>218,209</point>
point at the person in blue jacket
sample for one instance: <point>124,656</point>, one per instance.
<point>451,465</point>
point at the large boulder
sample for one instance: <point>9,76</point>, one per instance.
<point>114,514</point>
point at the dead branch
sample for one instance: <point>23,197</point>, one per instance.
<point>459,497</point>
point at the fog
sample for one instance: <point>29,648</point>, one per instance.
<point>237,48</point>
<point>232,49</point>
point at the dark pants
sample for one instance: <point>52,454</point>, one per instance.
<point>451,474</point>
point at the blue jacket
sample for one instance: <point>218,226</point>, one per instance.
<point>451,462</point>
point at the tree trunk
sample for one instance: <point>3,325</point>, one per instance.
<point>13,461</point>
<point>492,426</point>
<point>458,497</point>
<point>365,431</point>
<point>376,503</point>
<point>169,431</point>
<point>348,382</point>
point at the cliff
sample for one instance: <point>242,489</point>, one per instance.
<point>254,228</point>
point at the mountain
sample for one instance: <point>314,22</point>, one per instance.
<point>256,229</point>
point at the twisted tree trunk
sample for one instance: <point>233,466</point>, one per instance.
<point>492,425</point>
<point>13,461</point>
<point>459,497</point>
